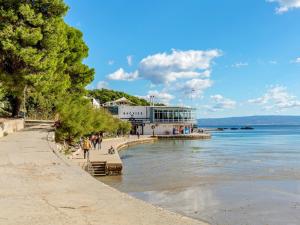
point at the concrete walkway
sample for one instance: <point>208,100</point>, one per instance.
<point>103,155</point>
<point>38,188</point>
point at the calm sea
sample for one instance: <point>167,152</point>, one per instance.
<point>238,177</point>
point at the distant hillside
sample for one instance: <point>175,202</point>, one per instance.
<point>105,95</point>
<point>250,120</point>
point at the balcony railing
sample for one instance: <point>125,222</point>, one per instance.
<point>183,120</point>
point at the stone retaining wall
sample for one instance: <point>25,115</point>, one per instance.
<point>10,126</point>
<point>135,142</point>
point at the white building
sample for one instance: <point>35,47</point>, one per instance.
<point>95,103</point>
<point>120,101</point>
<point>162,120</point>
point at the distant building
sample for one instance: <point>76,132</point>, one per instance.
<point>163,120</point>
<point>95,103</point>
<point>118,102</point>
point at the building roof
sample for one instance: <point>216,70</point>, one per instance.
<point>120,101</point>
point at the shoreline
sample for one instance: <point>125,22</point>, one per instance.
<point>42,189</point>
<point>113,162</point>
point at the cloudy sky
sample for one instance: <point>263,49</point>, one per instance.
<point>226,58</point>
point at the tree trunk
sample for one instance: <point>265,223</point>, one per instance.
<point>16,103</point>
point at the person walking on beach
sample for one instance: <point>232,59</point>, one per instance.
<point>100,139</point>
<point>96,141</point>
<point>86,148</point>
<point>81,142</point>
<point>138,134</point>
<point>93,141</point>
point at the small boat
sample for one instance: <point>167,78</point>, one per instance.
<point>247,128</point>
<point>234,128</point>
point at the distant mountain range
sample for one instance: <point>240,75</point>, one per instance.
<point>250,120</point>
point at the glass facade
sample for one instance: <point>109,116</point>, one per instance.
<point>114,110</point>
<point>173,115</point>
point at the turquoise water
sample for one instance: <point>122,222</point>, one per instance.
<point>237,177</point>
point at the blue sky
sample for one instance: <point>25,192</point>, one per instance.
<point>226,58</point>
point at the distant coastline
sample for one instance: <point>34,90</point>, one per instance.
<point>250,120</point>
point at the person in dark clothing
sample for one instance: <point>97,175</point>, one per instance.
<point>100,139</point>
<point>95,141</point>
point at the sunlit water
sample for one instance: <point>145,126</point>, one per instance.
<point>238,177</point>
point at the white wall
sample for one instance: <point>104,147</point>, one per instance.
<point>11,126</point>
<point>161,129</point>
<point>95,103</point>
<point>137,112</point>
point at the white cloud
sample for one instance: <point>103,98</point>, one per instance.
<point>186,71</point>
<point>220,103</point>
<point>205,74</point>
<point>194,88</point>
<point>120,74</point>
<point>297,60</point>
<point>159,96</point>
<point>239,64</point>
<point>111,62</point>
<point>129,60</point>
<point>151,85</point>
<point>277,97</point>
<point>102,84</point>
<point>273,62</point>
<point>286,5</point>
<point>169,67</point>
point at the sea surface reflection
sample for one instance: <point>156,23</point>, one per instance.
<point>237,177</point>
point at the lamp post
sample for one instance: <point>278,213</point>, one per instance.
<point>152,100</point>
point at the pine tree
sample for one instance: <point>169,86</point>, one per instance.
<point>39,52</point>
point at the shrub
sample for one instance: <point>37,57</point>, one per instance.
<point>77,118</point>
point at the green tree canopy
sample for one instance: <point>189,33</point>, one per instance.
<point>41,60</point>
<point>77,118</point>
<point>40,52</point>
<point>106,95</point>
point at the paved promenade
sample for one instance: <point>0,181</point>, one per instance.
<point>39,188</point>
<point>103,155</point>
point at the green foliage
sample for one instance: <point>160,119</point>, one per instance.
<point>40,53</point>
<point>2,92</point>
<point>28,55</point>
<point>124,127</point>
<point>41,61</point>
<point>78,118</point>
<point>3,102</point>
<point>74,119</point>
<point>105,95</point>
<point>80,74</point>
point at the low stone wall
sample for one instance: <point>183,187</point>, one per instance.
<point>136,142</point>
<point>10,126</point>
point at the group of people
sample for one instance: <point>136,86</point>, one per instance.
<point>93,142</point>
